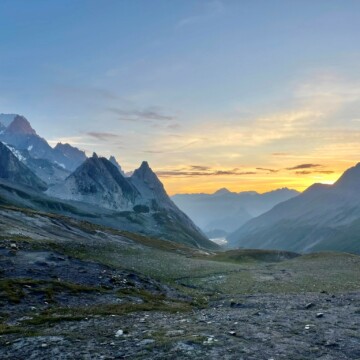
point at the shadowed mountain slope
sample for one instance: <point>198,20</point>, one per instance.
<point>323,217</point>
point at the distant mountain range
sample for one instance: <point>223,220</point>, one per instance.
<point>65,181</point>
<point>324,217</point>
<point>223,212</point>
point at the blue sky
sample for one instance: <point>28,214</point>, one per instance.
<point>225,85</point>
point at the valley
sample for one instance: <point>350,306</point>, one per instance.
<point>98,264</point>
<point>179,180</point>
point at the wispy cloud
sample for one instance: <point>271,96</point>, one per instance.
<point>307,172</point>
<point>103,136</point>
<point>200,167</point>
<point>149,114</point>
<point>78,92</point>
<point>304,166</point>
<point>269,170</point>
<point>199,170</point>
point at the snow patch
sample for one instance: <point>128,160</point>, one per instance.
<point>16,152</point>
<point>61,165</point>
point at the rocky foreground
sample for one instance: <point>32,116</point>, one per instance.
<point>71,290</point>
<point>56,307</point>
<point>312,326</point>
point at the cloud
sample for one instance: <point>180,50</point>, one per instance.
<point>154,151</point>
<point>198,171</point>
<point>304,166</point>
<point>269,170</point>
<point>150,114</point>
<point>200,167</point>
<point>307,172</point>
<point>103,136</point>
<point>78,92</point>
<point>171,149</point>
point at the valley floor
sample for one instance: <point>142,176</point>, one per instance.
<point>72,290</point>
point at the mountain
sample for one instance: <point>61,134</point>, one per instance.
<point>11,169</point>
<point>164,210</point>
<point>114,162</point>
<point>150,187</point>
<point>68,156</point>
<point>96,190</point>
<point>97,181</point>
<point>139,203</point>
<point>226,211</point>
<point>324,217</point>
<point>49,172</point>
<point>18,132</point>
<point>5,120</point>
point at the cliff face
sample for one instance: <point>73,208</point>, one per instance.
<point>11,169</point>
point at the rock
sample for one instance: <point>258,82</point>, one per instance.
<point>331,344</point>
<point>320,315</point>
<point>185,346</point>
<point>309,305</point>
<point>173,333</point>
<point>209,340</point>
<point>232,333</point>
<point>146,342</point>
<point>119,333</point>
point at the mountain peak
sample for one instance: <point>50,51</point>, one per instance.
<point>149,185</point>
<point>222,191</point>
<point>60,145</point>
<point>94,155</point>
<point>144,166</point>
<point>113,160</point>
<point>350,179</point>
<point>145,172</point>
<point>20,125</point>
<point>6,119</point>
<point>71,157</point>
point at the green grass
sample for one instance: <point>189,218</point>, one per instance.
<point>252,255</point>
<point>7,329</point>
<point>55,315</point>
<point>331,272</point>
<point>15,289</point>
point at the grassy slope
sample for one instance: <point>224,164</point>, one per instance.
<point>244,271</point>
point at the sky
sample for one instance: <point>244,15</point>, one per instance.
<point>247,95</point>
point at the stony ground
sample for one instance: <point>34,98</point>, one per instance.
<point>312,326</point>
<point>74,292</point>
